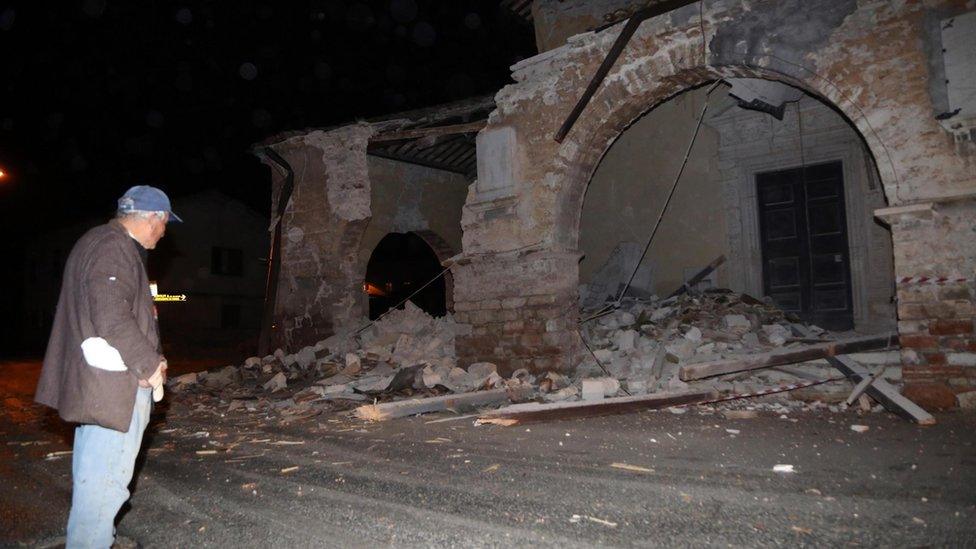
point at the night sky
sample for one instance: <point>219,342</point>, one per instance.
<point>99,95</point>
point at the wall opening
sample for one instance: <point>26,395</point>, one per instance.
<point>401,264</point>
<point>804,243</point>
<point>719,208</point>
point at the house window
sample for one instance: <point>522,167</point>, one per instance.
<point>227,261</point>
<point>230,315</point>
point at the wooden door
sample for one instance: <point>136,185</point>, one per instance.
<point>803,229</point>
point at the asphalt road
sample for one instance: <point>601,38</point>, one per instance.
<point>649,479</point>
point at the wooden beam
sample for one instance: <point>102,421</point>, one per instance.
<point>535,412</point>
<point>786,356</point>
<point>616,49</point>
<point>879,389</point>
<point>699,276</point>
<point>882,391</point>
<point>416,133</point>
<point>414,406</point>
<point>419,162</point>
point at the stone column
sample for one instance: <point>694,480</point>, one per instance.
<point>320,285</point>
<point>935,240</point>
<point>522,310</point>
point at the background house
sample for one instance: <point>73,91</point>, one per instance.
<point>216,258</point>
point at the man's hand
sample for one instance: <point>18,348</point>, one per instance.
<point>158,377</point>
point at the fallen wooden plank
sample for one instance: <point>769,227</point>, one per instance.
<point>882,391</point>
<point>404,408</point>
<point>535,412</point>
<point>780,357</point>
<point>879,389</point>
<point>699,276</point>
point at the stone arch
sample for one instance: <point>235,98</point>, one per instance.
<point>443,251</point>
<point>595,132</point>
<point>410,263</point>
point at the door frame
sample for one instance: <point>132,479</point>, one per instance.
<point>808,290</point>
<point>742,216</point>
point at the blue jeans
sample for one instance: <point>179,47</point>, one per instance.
<point>101,469</point>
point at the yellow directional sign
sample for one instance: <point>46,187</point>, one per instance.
<point>169,297</point>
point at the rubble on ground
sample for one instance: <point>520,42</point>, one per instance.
<point>644,342</point>
<point>640,346</point>
<point>406,353</point>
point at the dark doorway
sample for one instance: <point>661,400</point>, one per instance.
<point>400,265</point>
<point>803,226</point>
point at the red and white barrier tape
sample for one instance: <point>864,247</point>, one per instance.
<point>932,280</point>
<point>773,390</point>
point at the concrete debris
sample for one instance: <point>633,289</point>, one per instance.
<point>277,383</point>
<point>592,389</point>
<point>565,393</point>
<point>406,354</point>
<point>967,401</point>
<point>699,328</point>
<point>409,357</point>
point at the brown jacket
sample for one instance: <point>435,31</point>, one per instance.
<point>105,293</point>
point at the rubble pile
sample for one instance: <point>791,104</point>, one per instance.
<point>640,346</point>
<point>644,342</point>
<point>406,353</point>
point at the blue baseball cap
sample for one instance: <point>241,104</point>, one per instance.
<point>143,198</point>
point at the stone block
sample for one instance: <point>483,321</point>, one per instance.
<point>498,162</point>
<point>961,359</point>
<point>912,311</point>
<point>592,389</point>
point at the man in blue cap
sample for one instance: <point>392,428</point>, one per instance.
<point>103,365</point>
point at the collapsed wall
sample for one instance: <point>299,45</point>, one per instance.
<point>516,285</point>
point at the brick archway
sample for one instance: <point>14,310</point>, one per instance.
<point>596,132</point>
<point>516,284</point>
<point>443,251</point>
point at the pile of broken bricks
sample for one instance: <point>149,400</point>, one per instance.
<point>639,355</point>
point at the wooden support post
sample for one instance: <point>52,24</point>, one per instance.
<point>878,388</point>
<point>786,356</point>
<point>882,391</point>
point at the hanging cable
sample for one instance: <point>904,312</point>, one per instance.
<point>667,202</point>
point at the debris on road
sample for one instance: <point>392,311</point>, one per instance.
<point>634,468</point>
<point>534,412</point>
<point>644,352</point>
<point>404,408</point>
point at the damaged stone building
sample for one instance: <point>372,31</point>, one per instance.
<point>826,149</point>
